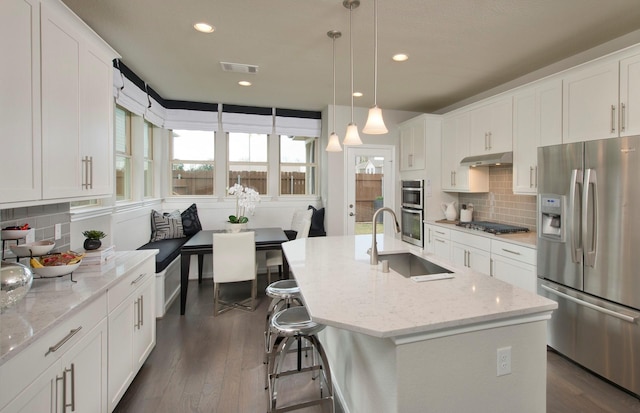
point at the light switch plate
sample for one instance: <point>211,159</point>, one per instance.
<point>58,231</point>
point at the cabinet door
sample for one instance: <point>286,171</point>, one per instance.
<point>630,96</point>
<point>429,239</point>
<point>97,123</point>
<point>412,144</point>
<point>448,153</point>
<point>40,396</point>
<point>514,272</point>
<point>20,158</point>
<point>479,260</point>
<point>501,132</point>
<point>144,339</point>
<point>455,146</point>
<point>590,106</point>
<point>442,248</point>
<point>459,255</point>
<point>549,112</point>
<point>480,129</point>
<point>406,148</point>
<point>61,160</point>
<point>121,330</point>
<point>525,139</point>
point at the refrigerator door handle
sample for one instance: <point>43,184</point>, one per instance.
<point>576,181</point>
<point>589,305</point>
<point>591,248</point>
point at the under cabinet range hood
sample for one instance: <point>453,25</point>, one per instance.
<point>504,158</point>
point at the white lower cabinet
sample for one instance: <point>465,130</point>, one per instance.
<point>132,333</point>
<point>73,362</point>
<point>438,241</point>
<point>471,251</point>
<point>514,264</point>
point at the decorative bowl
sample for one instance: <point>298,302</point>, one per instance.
<point>56,270</point>
<point>14,233</point>
<point>32,248</point>
<point>15,282</point>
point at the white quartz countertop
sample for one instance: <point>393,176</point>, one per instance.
<point>525,239</point>
<point>50,301</point>
<point>341,289</point>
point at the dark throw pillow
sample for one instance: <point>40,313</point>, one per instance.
<point>166,226</point>
<point>190,221</point>
<point>317,219</point>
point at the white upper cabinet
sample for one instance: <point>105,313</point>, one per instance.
<point>412,144</point>
<point>455,146</point>
<point>77,109</point>
<point>630,96</point>
<point>20,177</point>
<point>590,107</point>
<point>537,121</point>
<point>491,127</point>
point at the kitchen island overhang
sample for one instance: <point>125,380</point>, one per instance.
<point>396,345</point>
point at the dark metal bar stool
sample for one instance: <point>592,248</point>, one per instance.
<point>292,325</point>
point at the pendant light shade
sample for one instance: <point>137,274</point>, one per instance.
<point>334,143</point>
<point>334,140</point>
<point>375,124</point>
<point>351,137</point>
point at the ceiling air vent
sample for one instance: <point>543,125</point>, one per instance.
<point>239,68</point>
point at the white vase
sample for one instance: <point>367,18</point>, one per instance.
<point>231,227</point>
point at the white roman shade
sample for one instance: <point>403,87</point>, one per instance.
<point>128,95</point>
<point>156,113</point>
<point>247,122</point>
<point>190,119</point>
<point>298,123</point>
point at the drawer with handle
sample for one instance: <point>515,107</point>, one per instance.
<point>514,251</point>
<point>134,278</point>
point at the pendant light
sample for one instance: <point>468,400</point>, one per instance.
<point>375,124</point>
<point>351,137</point>
<point>334,140</point>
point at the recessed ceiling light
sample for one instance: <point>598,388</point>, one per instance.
<point>244,83</point>
<point>204,27</point>
<point>400,57</point>
<point>357,94</point>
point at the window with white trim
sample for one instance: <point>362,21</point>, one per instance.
<point>148,159</point>
<point>123,154</point>
<point>248,160</point>
<point>298,165</point>
<point>192,162</point>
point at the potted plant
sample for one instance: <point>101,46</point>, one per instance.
<point>92,241</point>
<point>246,200</point>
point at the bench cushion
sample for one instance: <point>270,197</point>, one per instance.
<point>169,249</point>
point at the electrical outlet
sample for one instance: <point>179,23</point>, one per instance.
<point>504,361</point>
<point>58,231</point>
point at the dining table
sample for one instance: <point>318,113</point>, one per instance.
<point>202,243</point>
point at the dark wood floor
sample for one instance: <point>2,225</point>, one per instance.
<point>202,364</point>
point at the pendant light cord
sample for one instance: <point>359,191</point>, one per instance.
<point>334,82</point>
<point>375,53</point>
<point>351,54</point>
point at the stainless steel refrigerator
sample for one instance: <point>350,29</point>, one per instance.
<point>589,253</point>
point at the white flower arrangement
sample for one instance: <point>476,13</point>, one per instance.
<point>246,200</point>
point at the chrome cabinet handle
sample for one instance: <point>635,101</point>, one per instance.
<point>91,172</point>
<point>439,232</point>
<point>490,135</point>
<point>60,343</point>
<point>490,267</point>
<point>536,176</point>
<point>439,240</point>
<point>141,276</point>
<point>141,310</point>
<point>530,177</point>
<point>137,310</point>
<point>454,178</point>
<point>623,121</point>
<point>485,141</point>
<point>71,370</point>
<point>451,178</point>
<point>613,118</point>
<point>511,252</point>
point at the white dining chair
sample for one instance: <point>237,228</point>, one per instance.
<point>301,223</point>
<point>234,260</point>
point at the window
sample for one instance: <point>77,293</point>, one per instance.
<point>123,154</point>
<point>192,157</point>
<point>298,167</point>
<point>148,159</point>
<point>248,160</point>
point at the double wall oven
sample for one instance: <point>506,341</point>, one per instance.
<point>413,212</point>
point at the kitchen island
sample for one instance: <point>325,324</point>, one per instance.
<point>397,345</point>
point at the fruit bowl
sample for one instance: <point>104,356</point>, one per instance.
<point>14,233</point>
<point>56,270</point>
<point>32,248</point>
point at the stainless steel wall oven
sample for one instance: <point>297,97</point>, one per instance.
<point>413,212</point>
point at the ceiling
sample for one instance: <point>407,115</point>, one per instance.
<point>456,48</point>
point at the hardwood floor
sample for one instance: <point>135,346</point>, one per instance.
<point>202,364</point>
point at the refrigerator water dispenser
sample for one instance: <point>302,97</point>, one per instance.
<point>552,217</point>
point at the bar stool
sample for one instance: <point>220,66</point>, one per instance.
<point>293,325</point>
<point>284,294</point>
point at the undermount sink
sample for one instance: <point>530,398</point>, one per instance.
<point>410,265</point>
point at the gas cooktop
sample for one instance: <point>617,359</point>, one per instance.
<point>492,227</point>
